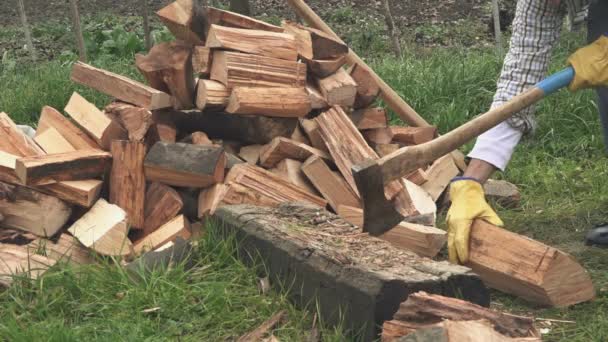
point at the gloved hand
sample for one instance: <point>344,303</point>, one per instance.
<point>468,204</point>
<point>590,65</point>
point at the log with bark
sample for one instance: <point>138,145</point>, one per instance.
<point>185,20</point>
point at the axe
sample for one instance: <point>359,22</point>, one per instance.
<point>372,176</point>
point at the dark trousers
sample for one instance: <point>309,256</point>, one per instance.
<point>598,25</point>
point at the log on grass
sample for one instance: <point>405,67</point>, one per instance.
<point>502,192</point>
<point>185,20</point>
<point>162,204</point>
<point>185,165</point>
<point>231,19</point>
<point>66,248</point>
<point>422,310</point>
<point>52,168</point>
<point>291,170</point>
<point>120,87</point>
<point>127,180</point>
<point>14,141</point>
<point>177,227</point>
<point>356,279</point>
<point>422,240</point>
<point>168,68</point>
<point>339,89</point>
<point>367,87</point>
<point>103,229</point>
<point>283,148</point>
<point>96,123</point>
<point>274,102</point>
<point>201,60</point>
<point>211,95</point>
<point>20,261</point>
<point>135,120</point>
<point>256,42</point>
<point>369,118</point>
<point>461,331</point>
<point>50,117</point>
<point>527,268</point>
<point>239,69</point>
<point>32,211</point>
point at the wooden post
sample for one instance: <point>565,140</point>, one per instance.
<point>26,29</point>
<point>147,38</point>
<point>78,30</point>
<point>497,32</point>
<point>392,30</point>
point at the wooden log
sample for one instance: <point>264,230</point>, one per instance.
<point>162,128</point>
<point>231,19</point>
<point>418,177</point>
<point>200,138</point>
<point>423,204</point>
<point>275,102</point>
<point>256,42</point>
<point>358,298</point>
<point>185,165</point>
<point>367,87</point>
<point>52,168</point>
<point>14,141</point>
<point>254,185</point>
<point>211,95</point>
<point>103,229</point>
<point>66,249</point>
<point>461,331</point>
<point>32,211</point>
<point>96,123</point>
<point>439,175</point>
<point>378,136</point>
<point>7,168</point>
<point>339,89</point>
<point>311,128</point>
<point>385,149</point>
<point>283,148</point>
<point>291,170</point>
<point>299,136</point>
<point>19,261</point>
<point>185,20</point>
<point>323,68</point>
<point>527,268</point>
<point>317,101</point>
<point>369,118</point>
<point>423,240</point>
<point>127,180</point>
<point>163,203</point>
<point>135,120</point>
<point>177,227</point>
<point>168,68</point>
<point>201,60</point>
<point>248,129</point>
<point>50,117</point>
<point>413,135</point>
<point>210,199</point>
<point>251,153</point>
<point>303,39</point>
<point>332,186</point>
<point>234,69</point>
<point>502,192</point>
<point>324,46</point>
<point>52,142</point>
<point>120,87</point>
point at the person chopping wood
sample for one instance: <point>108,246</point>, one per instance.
<point>536,31</point>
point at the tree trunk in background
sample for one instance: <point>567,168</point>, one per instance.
<point>26,29</point>
<point>240,6</point>
<point>147,37</point>
<point>392,30</point>
<point>78,30</point>
<point>497,31</point>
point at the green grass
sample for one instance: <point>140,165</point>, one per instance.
<point>562,172</point>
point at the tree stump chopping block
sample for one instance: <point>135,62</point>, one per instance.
<point>353,276</point>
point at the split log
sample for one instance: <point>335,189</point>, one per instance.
<point>256,42</point>
<point>201,60</point>
<point>325,67</point>
<point>251,153</point>
<point>254,185</point>
<point>14,141</point>
<point>339,89</point>
<point>386,149</point>
<point>527,268</point>
<point>248,129</point>
<point>210,199</point>
<point>7,168</point>
<point>369,118</point>
<point>127,180</point>
<point>423,204</point>
<point>423,240</point>
<point>418,177</point>
<point>65,249</point>
<point>32,211</point>
<point>52,168</point>
<point>422,310</point>
<point>135,120</point>
<point>177,227</point>
<point>440,174</point>
<point>378,136</point>
<point>238,69</point>
<point>200,138</point>
<point>103,229</point>
<point>291,170</point>
<point>312,249</point>
<point>50,117</point>
<point>162,128</point>
<point>317,101</point>
<point>367,87</point>
<point>21,261</point>
<point>324,46</point>
<point>52,142</point>
<point>461,331</point>
<point>185,165</point>
<point>299,136</point>
<point>168,68</point>
<point>275,102</point>
<point>211,95</point>
<point>120,87</point>
<point>231,19</point>
<point>303,39</point>
<point>311,128</point>
<point>96,123</point>
<point>185,20</point>
<point>332,186</point>
<point>162,204</point>
<point>413,135</point>
<point>502,192</point>
<point>283,148</point>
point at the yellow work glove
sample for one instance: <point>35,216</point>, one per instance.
<point>468,204</point>
<point>590,65</point>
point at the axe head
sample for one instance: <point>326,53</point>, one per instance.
<point>379,213</point>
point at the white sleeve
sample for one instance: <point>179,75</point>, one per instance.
<point>497,145</point>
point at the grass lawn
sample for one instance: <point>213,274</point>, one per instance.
<point>562,172</point>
